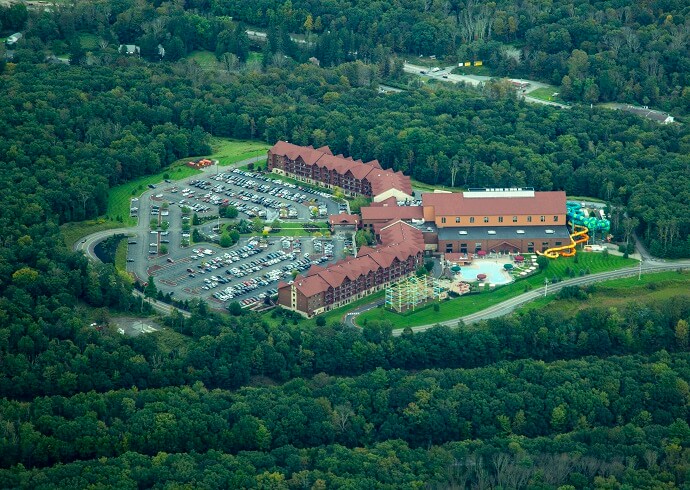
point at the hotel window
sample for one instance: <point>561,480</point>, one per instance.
<point>542,218</point>
<point>555,219</point>
<point>457,220</point>
<point>486,219</point>
<point>443,220</point>
<point>500,219</point>
<point>514,219</point>
<point>529,219</point>
<point>471,219</point>
<point>558,244</point>
<point>530,244</point>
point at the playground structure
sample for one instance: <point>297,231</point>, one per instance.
<point>581,225</point>
<point>411,292</point>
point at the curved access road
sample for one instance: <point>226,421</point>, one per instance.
<point>88,244</point>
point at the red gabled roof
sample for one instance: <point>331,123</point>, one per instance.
<point>399,241</point>
<point>391,201</point>
<point>312,285</point>
<point>380,180</point>
<point>343,219</point>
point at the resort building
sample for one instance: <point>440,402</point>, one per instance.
<point>496,220</point>
<point>324,288</point>
<point>355,178</point>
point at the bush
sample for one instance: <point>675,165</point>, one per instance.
<point>320,321</point>
<point>437,307</point>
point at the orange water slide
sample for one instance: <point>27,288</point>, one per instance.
<point>579,235</point>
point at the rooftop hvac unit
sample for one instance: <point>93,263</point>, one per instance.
<point>462,232</point>
<point>520,232</point>
<point>491,232</point>
<point>550,232</point>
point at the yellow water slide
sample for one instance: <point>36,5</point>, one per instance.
<point>579,235</point>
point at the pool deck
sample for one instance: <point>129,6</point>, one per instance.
<point>476,266</point>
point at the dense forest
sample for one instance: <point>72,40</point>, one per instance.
<point>498,386</point>
<point>595,399</point>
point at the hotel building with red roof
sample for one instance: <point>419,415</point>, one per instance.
<point>354,177</point>
<point>324,288</point>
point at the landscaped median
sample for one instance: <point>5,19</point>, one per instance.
<point>557,269</point>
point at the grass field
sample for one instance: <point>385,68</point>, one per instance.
<point>296,229</point>
<point>649,288</point>
<point>472,70</point>
<point>72,232</point>
<point>121,255</point>
<point>228,151</point>
<point>428,187</point>
<point>206,59</point>
<point>88,41</point>
<point>119,197</point>
<point>546,93</point>
<point>473,303</point>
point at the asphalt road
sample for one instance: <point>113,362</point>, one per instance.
<point>445,75</point>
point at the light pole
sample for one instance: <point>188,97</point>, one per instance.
<point>639,271</point>
<point>546,286</point>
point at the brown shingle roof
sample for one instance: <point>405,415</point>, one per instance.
<point>455,204</point>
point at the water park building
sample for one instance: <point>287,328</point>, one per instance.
<point>496,220</point>
<point>319,166</point>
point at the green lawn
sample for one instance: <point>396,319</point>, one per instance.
<point>228,151</point>
<point>428,187</point>
<point>119,197</point>
<point>121,255</point>
<point>650,287</point>
<point>206,59</point>
<point>255,56</point>
<point>288,229</point>
<point>473,303</point>
<point>483,70</point>
<point>546,93</point>
<point>72,232</point>
<point>88,40</point>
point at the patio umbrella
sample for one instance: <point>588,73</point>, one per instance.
<point>455,268</point>
<point>507,266</point>
<point>481,277</point>
<point>481,253</point>
<point>518,258</point>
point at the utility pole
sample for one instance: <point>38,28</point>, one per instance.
<point>639,271</point>
<point>546,286</point>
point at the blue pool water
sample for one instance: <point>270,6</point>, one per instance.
<point>494,272</point>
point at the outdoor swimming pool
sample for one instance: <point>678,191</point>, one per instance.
<point>494,272</point>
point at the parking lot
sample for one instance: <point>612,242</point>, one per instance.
<point>253,195</point>
<point>249,271</point>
